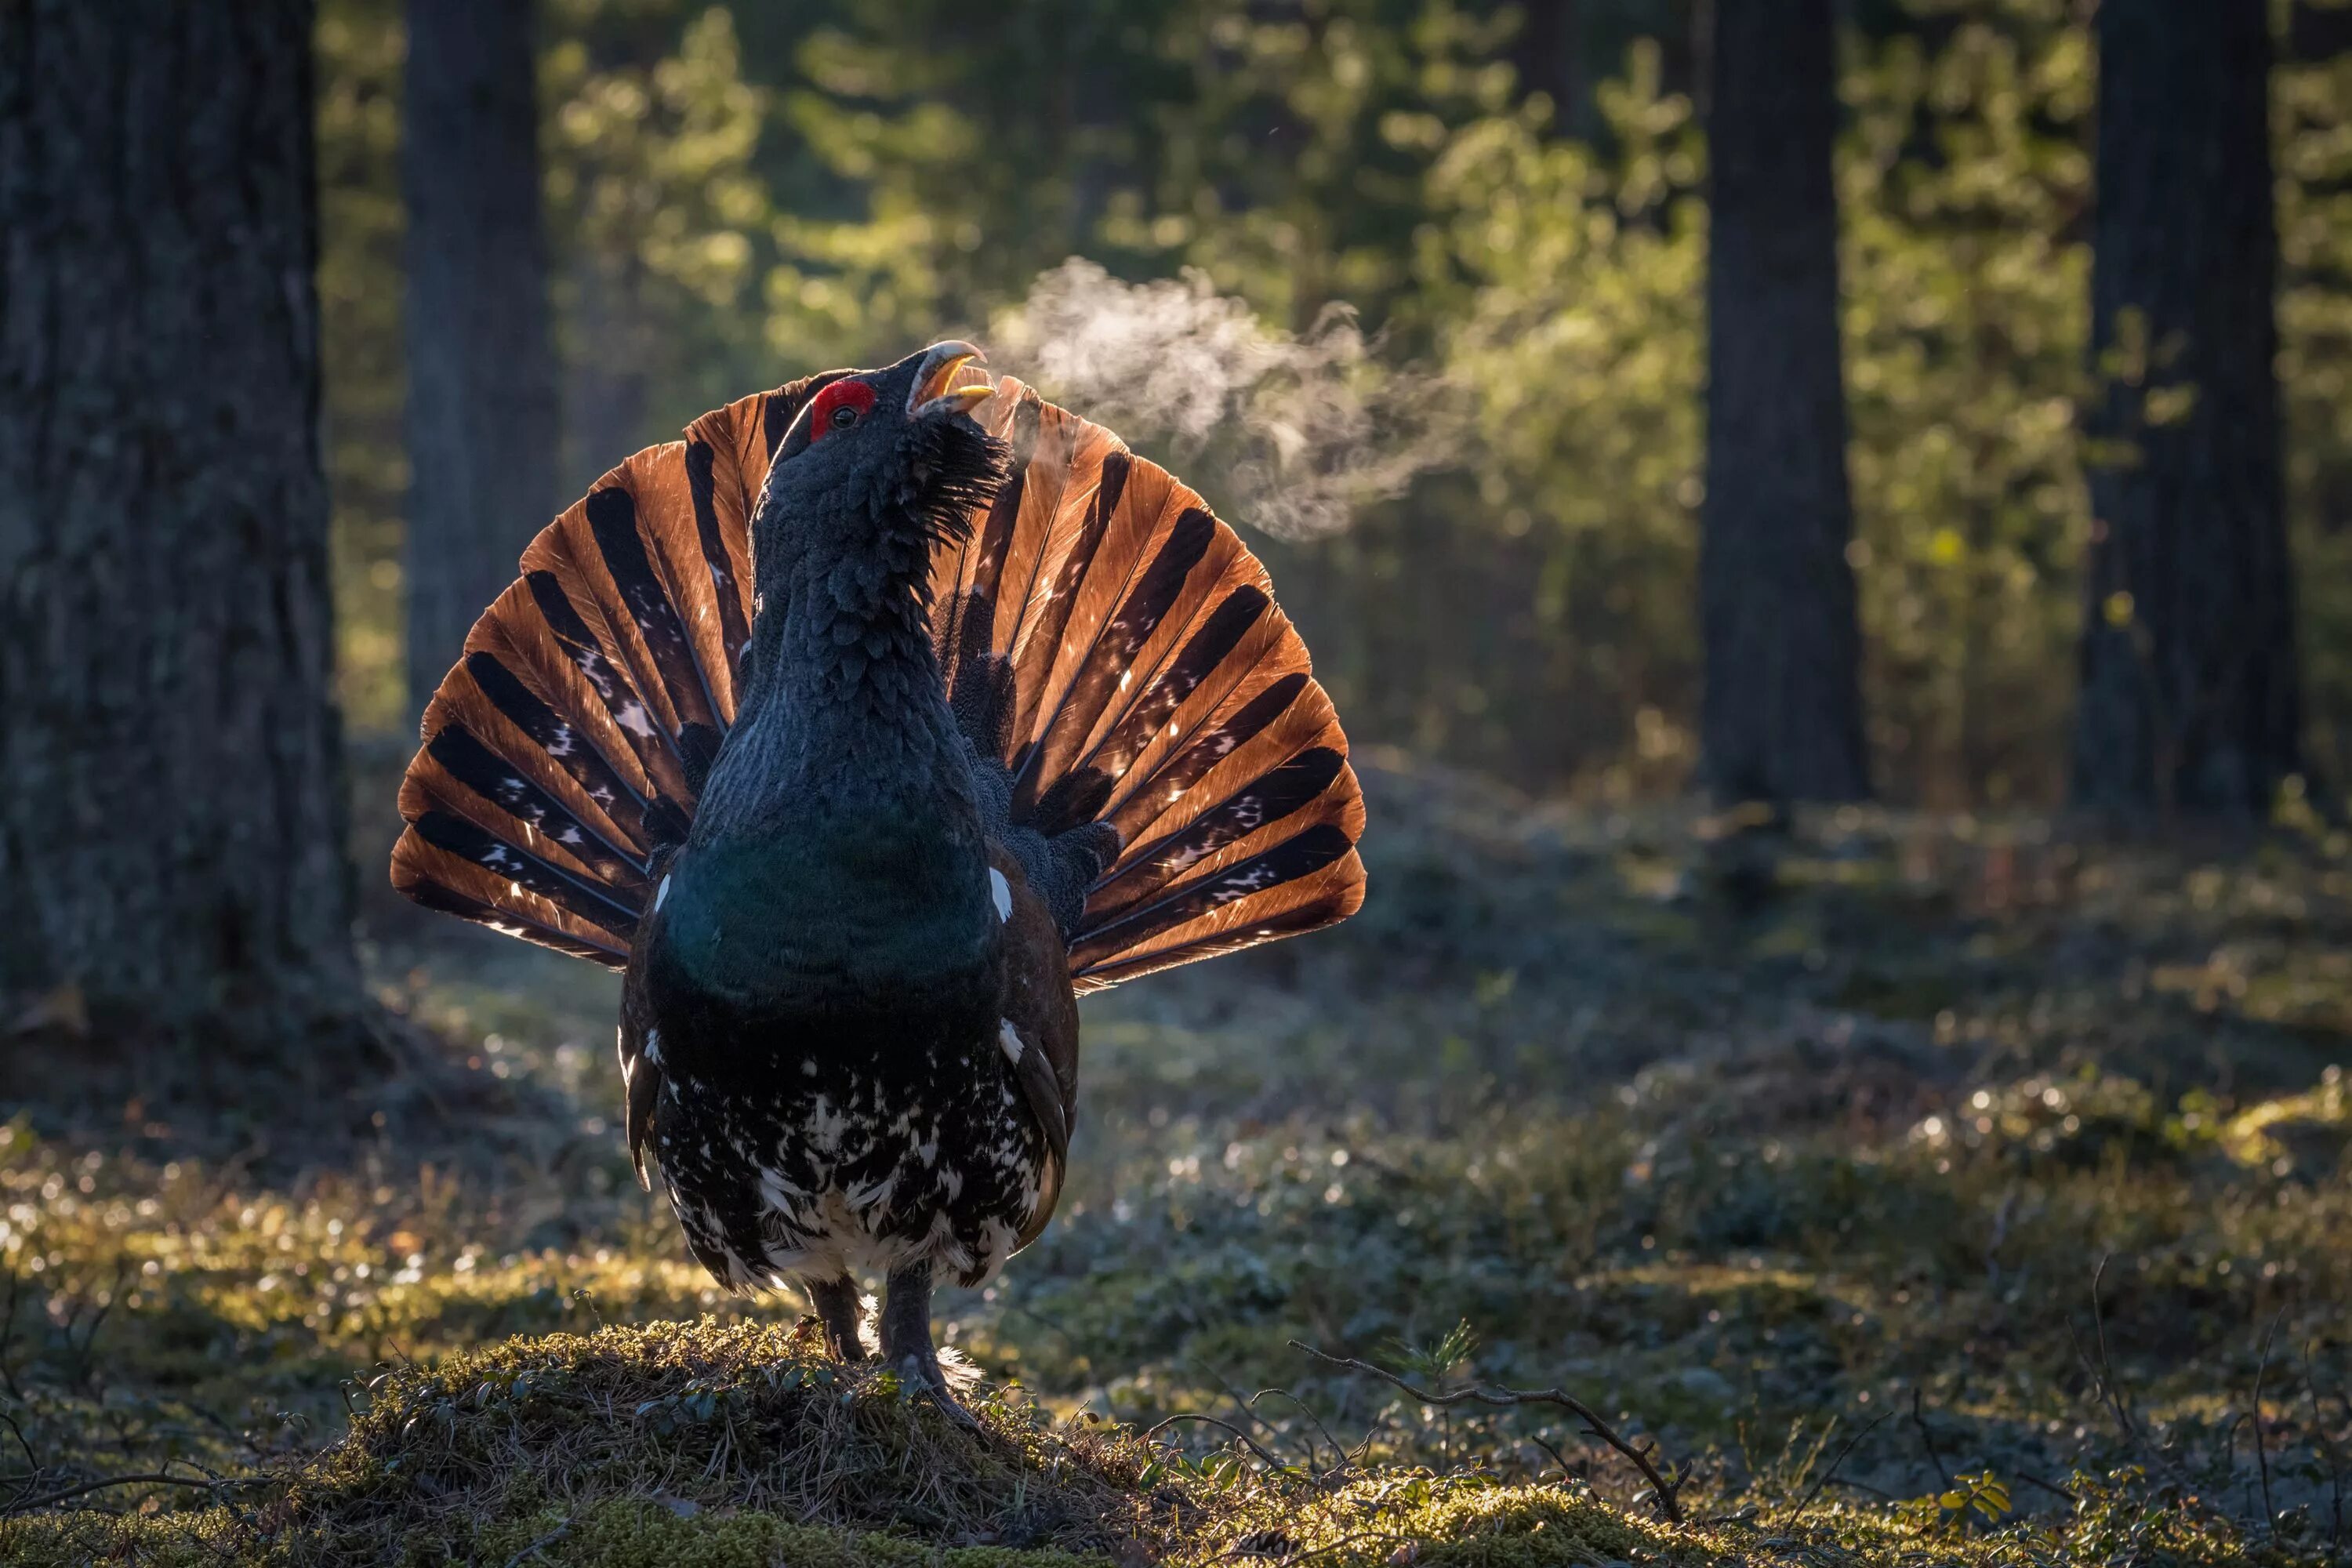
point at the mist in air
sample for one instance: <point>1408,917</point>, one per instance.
<point>1290,434</point>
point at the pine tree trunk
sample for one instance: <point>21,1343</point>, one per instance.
<point>482,420</point>
<point>2188,697</point>
<point>1781,713</point>
<point>2318,32</point>
<point>170,788</point>
<point>1547,56</point>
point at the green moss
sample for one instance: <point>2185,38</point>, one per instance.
<point>614,1533</point>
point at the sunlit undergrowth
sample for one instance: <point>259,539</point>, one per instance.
<point>706,1444</point>
<point>1798,1157</point>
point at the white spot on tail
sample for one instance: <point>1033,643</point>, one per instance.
<point>1002,891</point>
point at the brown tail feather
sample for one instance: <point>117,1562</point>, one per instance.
<point>1142,677</point>
<point>564,754</point>
<point>1147,650</point>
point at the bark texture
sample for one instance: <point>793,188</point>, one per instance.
<point>170,788</point>
<point>482,417</point>
<point>2189,698</point>
<point>1782,714</point>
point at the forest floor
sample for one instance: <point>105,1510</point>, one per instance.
<point>1915,1190</point>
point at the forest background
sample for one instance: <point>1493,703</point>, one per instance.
<point>736,196</point>
<point>1924,419</point>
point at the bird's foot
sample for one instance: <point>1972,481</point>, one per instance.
<point>839,1308</point>
<point>921,1374</point>
<point>907,1347</point>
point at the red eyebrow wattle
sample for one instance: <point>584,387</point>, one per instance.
<point>857,394</point>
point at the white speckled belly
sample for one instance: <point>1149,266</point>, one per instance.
<point>831,1169</point>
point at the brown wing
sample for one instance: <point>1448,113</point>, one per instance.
<point>1040,1026</point>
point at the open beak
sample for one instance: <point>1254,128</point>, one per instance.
<point>951,382</point>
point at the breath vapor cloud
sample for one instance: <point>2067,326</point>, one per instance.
<point>1291,434</point>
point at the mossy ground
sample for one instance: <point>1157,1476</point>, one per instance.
<point>1798,1159</point>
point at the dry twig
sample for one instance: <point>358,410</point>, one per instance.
<point>2326,1447</point>
<point>2262,1452</point>
<point>1662,1489</point>
<point>1239,1435</point>
<point>1831,1474</point>
<point>1307,1411</point>
<point>1927,1441</point>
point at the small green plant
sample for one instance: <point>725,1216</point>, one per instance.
<point>1438,1358</point>
<point>1982,1493</point>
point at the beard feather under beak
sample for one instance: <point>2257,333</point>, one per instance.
<point>953,472</point>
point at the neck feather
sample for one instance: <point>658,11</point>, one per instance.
<point>846,700</point>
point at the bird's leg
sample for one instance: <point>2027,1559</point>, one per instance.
<point>836,1304</point>
<point>907,1338</point>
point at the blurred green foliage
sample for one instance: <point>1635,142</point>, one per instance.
<point>739,195</point>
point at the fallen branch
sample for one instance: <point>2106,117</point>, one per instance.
<point>32,1461</point>
<point>1661,1488</point>
<point>1250,1404</point>
<point>1239,1435</point>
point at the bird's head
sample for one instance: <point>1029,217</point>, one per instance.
<point>882,464</point>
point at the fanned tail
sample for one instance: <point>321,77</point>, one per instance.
<point>1111,646</point>
<point>564,755</point>
<point>1140,678</point>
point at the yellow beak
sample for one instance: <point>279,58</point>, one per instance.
<point>936,390</point>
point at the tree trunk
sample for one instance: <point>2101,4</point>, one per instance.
<point>2188,697</point>
<point>2316,32</point>
<point>1546,54</point>
<point>171,787</point>
<point>482,420</point>
<point>1781,712</point>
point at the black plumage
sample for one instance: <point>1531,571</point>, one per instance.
<point>863,729</point>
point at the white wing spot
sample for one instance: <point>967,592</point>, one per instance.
<point>1002,891</point>
<point>1009,1039</point>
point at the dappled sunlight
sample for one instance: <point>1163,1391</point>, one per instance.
<point>1690,1171</point>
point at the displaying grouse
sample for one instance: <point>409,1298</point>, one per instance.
<point>863,729</point>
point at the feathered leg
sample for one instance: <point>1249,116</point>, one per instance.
<point>907,1347</point>
<point>837,1303</point>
